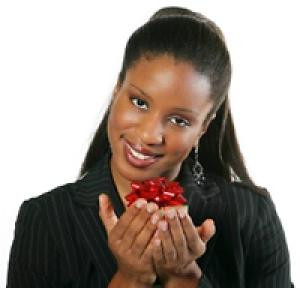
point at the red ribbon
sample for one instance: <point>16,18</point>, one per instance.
<point>159,190</point>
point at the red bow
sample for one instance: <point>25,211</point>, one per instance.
<point>159,190</point>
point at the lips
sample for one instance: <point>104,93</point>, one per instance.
<point>142,150</point>
<point>137,159</point>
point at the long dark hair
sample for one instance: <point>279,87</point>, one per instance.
<point>190,37</point>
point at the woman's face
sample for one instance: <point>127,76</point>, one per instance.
<point>156,118</point>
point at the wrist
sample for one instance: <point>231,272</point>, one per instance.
<point>121,279</point>
<point>189,276</point>
<point>178,282</point>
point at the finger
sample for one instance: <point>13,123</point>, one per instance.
<point>169,251</point>
<point>107,213</point>
<point>207,230</point>
<point>178,236</point>
<point>194,242</point>
<point>136,227</point>
<point>156,250</point>
<point>125,220</point>
<point>143,239</point>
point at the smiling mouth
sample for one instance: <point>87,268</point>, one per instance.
<point>138,159</point>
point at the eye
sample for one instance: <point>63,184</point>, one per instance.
<point>138,102</point>
<point>142,104</point>
<point>181,122</point>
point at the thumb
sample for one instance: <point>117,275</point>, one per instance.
<point>207,230</point>
<point>107,213</point>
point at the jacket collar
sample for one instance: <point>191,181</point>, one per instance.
<point>99,180</point>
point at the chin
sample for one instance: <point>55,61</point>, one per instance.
<point>137,174</point>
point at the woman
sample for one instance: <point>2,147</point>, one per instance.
<point>169,116</point>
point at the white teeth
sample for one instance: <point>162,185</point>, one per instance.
<point>139,155</point>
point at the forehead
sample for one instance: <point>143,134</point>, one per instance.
<point>168,78</point>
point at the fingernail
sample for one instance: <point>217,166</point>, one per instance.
<point>154,219</point>
<point>174,256</point>
<point>100,199</point>
<point>171,213</point>
<point>102,203</point>
<point>181,212</point>
<point>163,225</point>
<point>213,225</point>
<point>140,203</point>
<point>151,207</point>
<point>157,242</point>
<point>161,213</point>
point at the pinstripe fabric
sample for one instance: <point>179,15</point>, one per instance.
<point>61,242</point>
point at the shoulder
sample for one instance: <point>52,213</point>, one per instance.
<point>48,221</point>
<point>251,216</point>
<point>52,198</point>
<point>240,193</point>
<point>51,210</point>
<point>246,203</point>
<point>35,235</point>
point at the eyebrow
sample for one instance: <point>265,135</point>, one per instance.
<point>181,109</point>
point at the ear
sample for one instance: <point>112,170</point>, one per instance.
<point>116,88</point>
<point>115,91</point>
<point>204,129</point>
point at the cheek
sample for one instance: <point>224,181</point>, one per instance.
<point>180,144</point>
<point>120,118</point>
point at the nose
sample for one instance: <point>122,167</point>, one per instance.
<point>151,132</point>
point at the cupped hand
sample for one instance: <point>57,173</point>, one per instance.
<point>178,243</point>
<point>129,238</point>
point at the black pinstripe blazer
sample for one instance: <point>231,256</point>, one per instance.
<point>60,241</point>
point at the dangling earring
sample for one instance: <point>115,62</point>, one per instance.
<point>198,169</point>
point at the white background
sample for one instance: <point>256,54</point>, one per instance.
<point>60,59</point>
